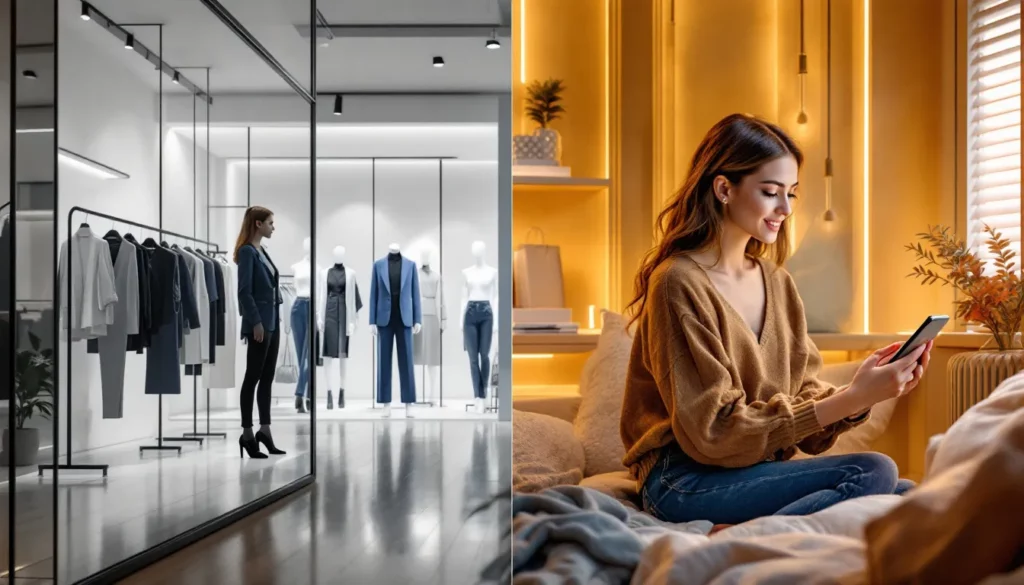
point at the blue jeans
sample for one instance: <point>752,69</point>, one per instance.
<point>300,323</point>
<point>681,490</point>
<point>477,327</point>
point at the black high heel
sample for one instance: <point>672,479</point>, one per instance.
<point>268,443</point>
<point>300,405</point>
<point>252,447</point>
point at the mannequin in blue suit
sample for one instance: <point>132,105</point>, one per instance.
<point>395,317</point>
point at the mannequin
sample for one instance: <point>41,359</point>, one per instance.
<point>427,345</point>
<point>340,303</point>
<point>477,319</point>
<point>395,316</point>
<point>299,322</point>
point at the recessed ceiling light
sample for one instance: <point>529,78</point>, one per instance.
<point>337,105</point>
<point>492,44</point>
<point>438,62</point>
<point>85,11</point>
<point>129,42</point>
<point>29,74</point>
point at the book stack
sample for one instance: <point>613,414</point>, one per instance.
<point>535,321</point>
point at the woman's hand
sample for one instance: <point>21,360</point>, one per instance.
<point>879,378</point>
<point>257,333</point>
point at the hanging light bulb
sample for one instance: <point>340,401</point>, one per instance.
<point>830,215</point>
<point>801,118</point>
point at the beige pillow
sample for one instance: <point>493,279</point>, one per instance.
<point>544,452</point>
<point>602,385</point>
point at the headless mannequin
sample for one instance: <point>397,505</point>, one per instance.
<point>480,283</point>
<point>432,380</point>
<point>303,271</point>
<point>396,249</point>
<point>336,368</point>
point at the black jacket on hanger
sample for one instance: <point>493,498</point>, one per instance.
<point>137,342</point>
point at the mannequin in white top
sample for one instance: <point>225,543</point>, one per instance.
<point>394,248</point>
<point>303,285</point>
<point>337,368</point>
<point>428,343</point>
<point>478,319</point>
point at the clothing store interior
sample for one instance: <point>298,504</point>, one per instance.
<point>142,132</point>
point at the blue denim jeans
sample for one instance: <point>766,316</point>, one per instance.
<point>300,322</point>
<point>681,490</point>
<point>477,328</point>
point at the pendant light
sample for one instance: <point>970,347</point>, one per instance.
<point>801,118</point>
<point>493,43</point>
<point>829,215</point>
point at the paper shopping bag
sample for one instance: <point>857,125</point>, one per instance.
<point>537,274</point>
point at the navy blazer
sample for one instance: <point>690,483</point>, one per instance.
<point>258,291</point>
<point>380,294</point>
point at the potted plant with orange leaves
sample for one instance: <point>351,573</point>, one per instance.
<point>989,294</point>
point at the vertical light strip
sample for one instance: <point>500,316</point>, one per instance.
<point>608,192</point>
<point>522,41</point>
<point>867,164</point>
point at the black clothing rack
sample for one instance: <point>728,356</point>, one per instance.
<point>160,420</point>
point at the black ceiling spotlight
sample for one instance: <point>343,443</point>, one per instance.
<point>129,42</point>
<point>337,105</point>
<point>175,78</point>
<point>85,11</point>
<point>438,62</point>
<point>29,74</point>
<point>493,43</point>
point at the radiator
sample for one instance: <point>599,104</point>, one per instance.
<point>974,375</point>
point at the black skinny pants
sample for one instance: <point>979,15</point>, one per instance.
<point>260,364</point>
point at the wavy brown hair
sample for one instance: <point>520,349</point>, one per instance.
<point>252,215</point>
<point>692,221</point>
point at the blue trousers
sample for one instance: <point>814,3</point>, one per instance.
<point>387,335</point>
<point>300,324</point>
<point>681,490</point>
<point>477,327</point>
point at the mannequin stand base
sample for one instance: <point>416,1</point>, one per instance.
<point>430,404</point>
<point>218,435</point>
<point>102,468</point>
<point>160,448</point>
<point>387,411</point>
<point>185,439</point>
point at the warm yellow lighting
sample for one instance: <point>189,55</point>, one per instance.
<point>522,41</point>
<point>532,356</point>
<point>867,163</point>
<point>590,317</point>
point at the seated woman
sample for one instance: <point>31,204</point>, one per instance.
<point>722,387</point>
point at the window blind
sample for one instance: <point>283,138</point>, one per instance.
<point>993,123</point>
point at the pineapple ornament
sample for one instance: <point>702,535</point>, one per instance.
<point>544,146</point>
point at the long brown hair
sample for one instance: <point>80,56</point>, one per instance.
<point>245,235</point>
<point>692,221</point>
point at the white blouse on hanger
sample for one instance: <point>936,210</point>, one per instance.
<point>93,291</point>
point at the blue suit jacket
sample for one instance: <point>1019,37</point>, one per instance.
<point>380,294</point>
<point>258,291</point>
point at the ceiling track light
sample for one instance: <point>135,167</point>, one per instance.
<point>85,11</point>
<point>337,105</point>
<point>438,62</point>
<point>801,118</point>
<point>129,42</point>
<point>175,79</point>
<point>493,43</point>
<point>29,74</point>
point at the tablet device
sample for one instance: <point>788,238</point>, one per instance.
<point>928,331</point>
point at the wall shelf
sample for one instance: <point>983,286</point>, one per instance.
<point>582,183</point>
<point>545,343</point>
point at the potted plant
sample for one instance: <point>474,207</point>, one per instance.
<point>543,106</point>
<point>33,394</point>
<point>992,297</point>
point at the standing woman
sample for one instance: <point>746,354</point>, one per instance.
<point>258,299</point>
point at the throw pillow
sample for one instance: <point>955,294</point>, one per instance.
<point>602,384</point>
<point>544,452</point>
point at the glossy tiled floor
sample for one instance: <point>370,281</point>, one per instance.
<point>390,506</point>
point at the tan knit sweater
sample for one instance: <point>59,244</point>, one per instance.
<point>700,377</point>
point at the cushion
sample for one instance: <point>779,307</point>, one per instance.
<point>617,484</point>
<point>545,452</point>
<point>602,385</point>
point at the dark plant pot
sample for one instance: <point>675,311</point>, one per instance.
<point>26,447</point>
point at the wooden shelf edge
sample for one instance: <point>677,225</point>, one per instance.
<point>554,343</point>
<point>589,182</point>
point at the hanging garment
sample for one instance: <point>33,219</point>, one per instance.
<point>427,344</point>
<point>197,338</point>
<point>221,312</point>
<point>340,305</point>
<point>188,316</point>
<point>93,292</point>
<point>163,375</point>
<point>112,346</point>
<point>141,340</point>
<point>222,374</point>
<point>210,325</point>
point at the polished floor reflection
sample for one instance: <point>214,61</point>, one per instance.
<point>391,505</point>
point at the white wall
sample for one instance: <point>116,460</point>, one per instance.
<point>365,210</point>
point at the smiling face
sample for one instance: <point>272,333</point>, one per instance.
<point>265,228</point>
<point>762,200</point>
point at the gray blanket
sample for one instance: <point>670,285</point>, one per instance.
<point>572,534</point>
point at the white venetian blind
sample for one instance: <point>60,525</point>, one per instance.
<point>993,123</point>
